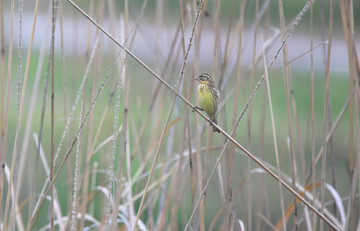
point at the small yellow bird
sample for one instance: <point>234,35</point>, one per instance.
<point>208,97</point>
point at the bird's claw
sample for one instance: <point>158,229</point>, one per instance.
<point>197,108</point>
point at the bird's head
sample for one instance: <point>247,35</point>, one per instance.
<point>204,78</point>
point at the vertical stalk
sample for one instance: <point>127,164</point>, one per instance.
<point>287,92</point>
<point>274,135</point>
<point>327,81</point>
<point>52,113</point>
<point>18,122</point>
<point>4,124</point>
<point>312,115</point>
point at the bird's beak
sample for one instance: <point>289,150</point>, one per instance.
<point>197,78</point>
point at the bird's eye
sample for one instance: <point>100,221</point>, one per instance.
<point>205,77</point>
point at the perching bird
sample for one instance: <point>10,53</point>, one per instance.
<point>208,97</point>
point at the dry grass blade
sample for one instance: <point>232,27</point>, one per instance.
<point>26,74</point>
<point>4,131</point>
<point>326,111</point>
<point>287,80</point>
<point>52,57</point>
<point>274,132</point>
<point>19,102</point>
<point>313,220</point>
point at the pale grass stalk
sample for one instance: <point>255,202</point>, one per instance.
<point>88,36</point>
<point>357,103</point>
<point>42,118</point>
<point>32,107</point>
<point>3,136</point>
<point>228,221</point>
<point>198,164</point>
<point>347,15</point>
<point>2,70</point>
<point>313,180</point>
<point>298,136</point>
<point>249,188</point>
<point>197,188</point>
<point>274,134</point>
<point>352,195</point>
<point>252,74</point>
<point>26,138</point>
<point>97,61</point>
<point>76,176</point>
<point>188,90</point>
<point>117,192</point>
<point>63,75</point>
<point>131,209</point>
<point>126,143</point>
<point>93,183</point>
<point>2,96</point>
<point>263,191</point>
<point>205,175</point>
<point>326,105</point>
<point>52,54</point>
<point>346,9</point>
<point>287,80</point>
<point>216,40</point>
<point>110,206</point>
<point>354,111</point>
<point>112,16</point>
<point>19,103</point>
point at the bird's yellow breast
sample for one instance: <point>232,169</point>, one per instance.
<point>206,99</point>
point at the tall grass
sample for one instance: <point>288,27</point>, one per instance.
<point>100,131</point>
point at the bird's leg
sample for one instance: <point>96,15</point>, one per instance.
<point>212,120</point>
<point>197,108</point>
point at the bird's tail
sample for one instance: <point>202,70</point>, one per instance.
<point>215,122</point>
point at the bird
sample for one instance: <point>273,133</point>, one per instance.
<point>208,97</point>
